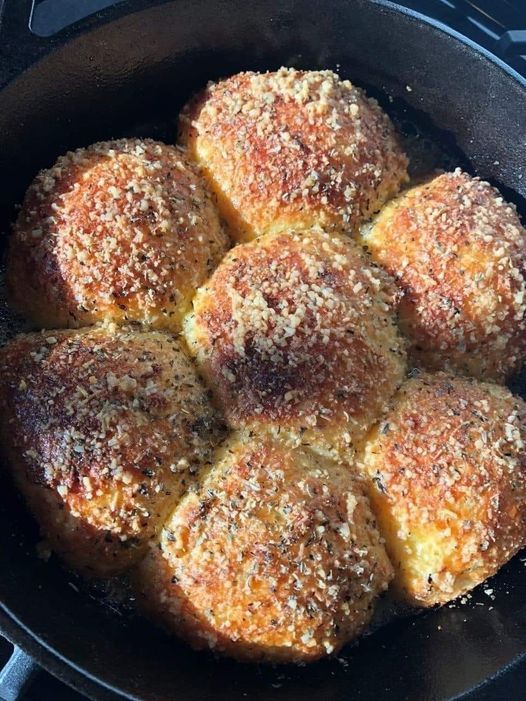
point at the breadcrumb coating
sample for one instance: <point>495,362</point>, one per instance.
<point>458,252</point>
<point>447,478</point>
<point>296,332</point>
<point>275,558</point>
<point>339,475</point>
<point>121,231</point>
<point>104,429</point>
<point>291,149</point>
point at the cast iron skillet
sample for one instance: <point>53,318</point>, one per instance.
<point>127,71</point>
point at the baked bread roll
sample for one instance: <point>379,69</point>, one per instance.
<point>292,149</point>
<point>104,430</point>
<point>275,558</point>
<point>122,231</point>
<point>296,332</point>
<point>447,476</point>
<point>458,252</point>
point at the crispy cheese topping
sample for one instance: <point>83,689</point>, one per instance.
<point>123,230</point>
<point>296,331</point>
<point>276,557</point>
<point>272,552</point>
<point>447,477</point>
<point>458,252</point>
<point>293,149</point>
<point>114,424</point>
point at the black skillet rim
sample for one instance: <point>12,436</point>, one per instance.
<point>14,629</point>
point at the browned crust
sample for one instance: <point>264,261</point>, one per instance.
<point>104,430</point>
<point>276,557</point>
<point>447,475</point>
<point>297,331</point>
<point>457,250</point>
<point>273,554</point>
<point>292,149</point>
<point>123,230</point>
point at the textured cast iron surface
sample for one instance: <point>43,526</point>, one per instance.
<point>131,75</point>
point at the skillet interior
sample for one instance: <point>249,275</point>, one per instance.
<point>129,77</point>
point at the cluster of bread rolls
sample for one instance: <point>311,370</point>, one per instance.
<point>228,411</point>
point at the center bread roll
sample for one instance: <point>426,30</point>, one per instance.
<point>296,332</point>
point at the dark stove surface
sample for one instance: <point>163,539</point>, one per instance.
<point>499,26</point>
<point>45,687</point>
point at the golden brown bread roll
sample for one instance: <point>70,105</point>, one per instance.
<point>447,475</point>
<point>458,252</point>
<point>104,429</point>
<point>276,557</point>
<point>291,149</point>
<point>295,331</point>
<point>123,231</point>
